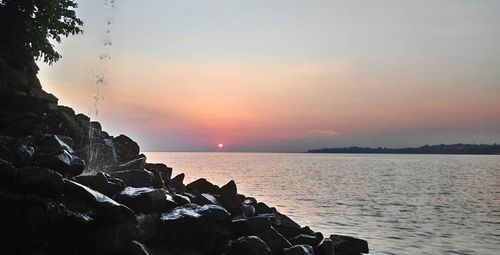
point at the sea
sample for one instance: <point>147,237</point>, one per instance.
<point>400,204</point>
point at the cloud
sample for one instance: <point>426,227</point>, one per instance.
<point>322,132</point>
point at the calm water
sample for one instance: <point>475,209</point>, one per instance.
<point>401,204</point>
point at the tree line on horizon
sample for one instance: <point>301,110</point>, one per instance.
<point>487,149</point>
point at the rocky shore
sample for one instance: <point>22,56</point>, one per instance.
<point>68,187</point>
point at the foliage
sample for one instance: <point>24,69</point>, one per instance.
<point>27,27</point>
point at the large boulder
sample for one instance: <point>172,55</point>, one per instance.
<point>274,240</point>
<point>346,245</point>
<point>134,178</point>
<point>17,152</point>
<point>202,186</point>
<point>146,200</point>
<point>249,245</point>
<point>205,199</point>
<point>177,183</point>
<point>39,181</point>
<point>126,148</point>
<point>105,209</point>
<point>102,182</point>
<point>135,164</point>
<point>229,197</point>
<point>64,163</point>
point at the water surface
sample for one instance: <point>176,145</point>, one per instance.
<point>400,204</point>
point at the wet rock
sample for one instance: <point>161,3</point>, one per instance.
<point>181,199</point>
<point>274,240</point>
<point>126,148</point>
<point>106,209</point>
<point>64,163</point>
<point>247,209</point>
<point>325,247</point>
<point>166,172</point>
<point>299,250</point>
<point>134,178</point>
<point>146,200</point>
<point>39,181</point>
<point>202,186</point>
<point>177,183</point>
<point>311,240</point>
<point>102,183</point>
<point>135,164</point>
<point>54,144</point>
<point>191,223</point>
<point>17,152</point>
<point>205,199</point>
<point>136,248</point>
<point>346,245</point>
<point>249,245</point>
<point>261,208</point>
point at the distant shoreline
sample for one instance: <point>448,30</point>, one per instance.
<point>455,149</point>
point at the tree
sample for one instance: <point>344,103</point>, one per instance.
<point>27,28</point>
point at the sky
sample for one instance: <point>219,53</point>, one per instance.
<point>286,75</point>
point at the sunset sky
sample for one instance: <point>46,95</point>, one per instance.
<point>287,75</point>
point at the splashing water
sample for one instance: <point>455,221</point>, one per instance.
<point>99,77</point>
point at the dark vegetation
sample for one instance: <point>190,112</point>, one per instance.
<point>427,149</point>
<point>69,187</point>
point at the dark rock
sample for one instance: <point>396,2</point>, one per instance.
<point>346,245</point>
<point>202,186</point>
<point>325,247</point>
<point>181,199</point>
<point>135,164</point>
<point>134,178</point>
<point>102,182</point>
<point>39,181</point>
<point>136,248</point>
<point>146,200</point>
<point>157,181</point>
<point>126,148</point>
<point>247,209</point>
<point>8,175</point>
<point>147,227</point>
<point>106,209</point>
<point>274,240</point>
<point>192,224</point>
<point>229,197</point>
<point>177,183</point>
<point>166,172</point>
<point>299,250</point>
<point>64,163</point>
<point>311,240</point>
<point>291,232</point>
<point>261,208</point>
<point>17,152</point>
<point>249,245</point>
<point>54,144</point>
<point>205,199</point>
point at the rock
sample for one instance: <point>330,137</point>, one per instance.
<point>305,239</point>
<point>299,250</point>
<point>181,199</point>
<point>41,94</point>
<point>177,183</point>
<point>346,245</point>
<point>261,208</point>
<point>229,197</point>
<point>274,240</point>
<point>39,181</point>
<point>166,172</point>
<point>146,200</point>
<point>126,148</point>
<point>64,163</point>
<point>205,199</point>
<point>17,152</point>
<point>202,186</point>
<point>157,181</point>
<point>249,245</point>
<point>134,178</point>
<point>8,175</point>
<point>102,183</point>
<point>192,224</point>
<point>325,247</point>
<point>290,232</point>
<point>136,248</point>
<point>246,209</point>
<point>106,209</point>
<point>135,164</point>
<point>54,145</point>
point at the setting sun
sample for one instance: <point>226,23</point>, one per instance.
<point>220,145</point>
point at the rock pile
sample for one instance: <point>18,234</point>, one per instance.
<point>51,203</point>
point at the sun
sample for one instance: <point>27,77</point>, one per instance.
<point>220,145</point>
